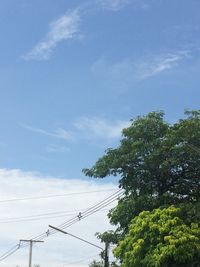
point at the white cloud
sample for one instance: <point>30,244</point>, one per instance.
<point>57,249</point>
<point>155,65</point>
<point>100,128</point>
<point>130,70</point>
<point>84,128</point>
<point>59,133</point>
<point>116,5</point>
<point>113,5</point>
<point>65,27</point>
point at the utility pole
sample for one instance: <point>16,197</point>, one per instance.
<point>106,258</point>
<point>31,248</point>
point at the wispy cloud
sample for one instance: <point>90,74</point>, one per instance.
<point>84,128</point>
<point>100,128</point>
<point>59,133</point>
<point>153,66</point>
<point>116,5</point>
<point>113,5</point>
<point>131,70</point>
<point>65,27</point>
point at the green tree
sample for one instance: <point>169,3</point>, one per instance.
<point>156,164</point>
<point>96,264</point>
<point>108,238</point>
<point>160,239</point>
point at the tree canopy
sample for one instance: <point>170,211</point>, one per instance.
<point>160,239</point>
<point>157,164</point>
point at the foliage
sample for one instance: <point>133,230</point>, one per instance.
<point>160,239</point>
<point>109,237</point>
<point>101,264</point>
<point>96,264</point>
<point>156,163</point>
<point>114,264</point>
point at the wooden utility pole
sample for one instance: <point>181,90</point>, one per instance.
<point>31,248</point>
<point>106,257</point>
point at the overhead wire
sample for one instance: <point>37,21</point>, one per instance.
<point>100,205</point>
<point>90,210</point>
<point>39,218</point>
<point>10,252</point>
<point>43,216</point>
<point>75,219</point>
<point>53,196</point>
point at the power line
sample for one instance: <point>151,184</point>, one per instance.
<point>64,225</point>
<point>85,214</point>
<point>38,217</point>
<point>70,222</point>
<point>90,210</point>
<point>71,212</point>
<point>52,196</point>
<point>99,205</point>
<point>10,252</point>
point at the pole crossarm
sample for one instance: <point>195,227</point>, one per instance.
<point>31,248</point>
<point>30,240</point>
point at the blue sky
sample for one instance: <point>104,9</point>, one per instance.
<point>73,73</point>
